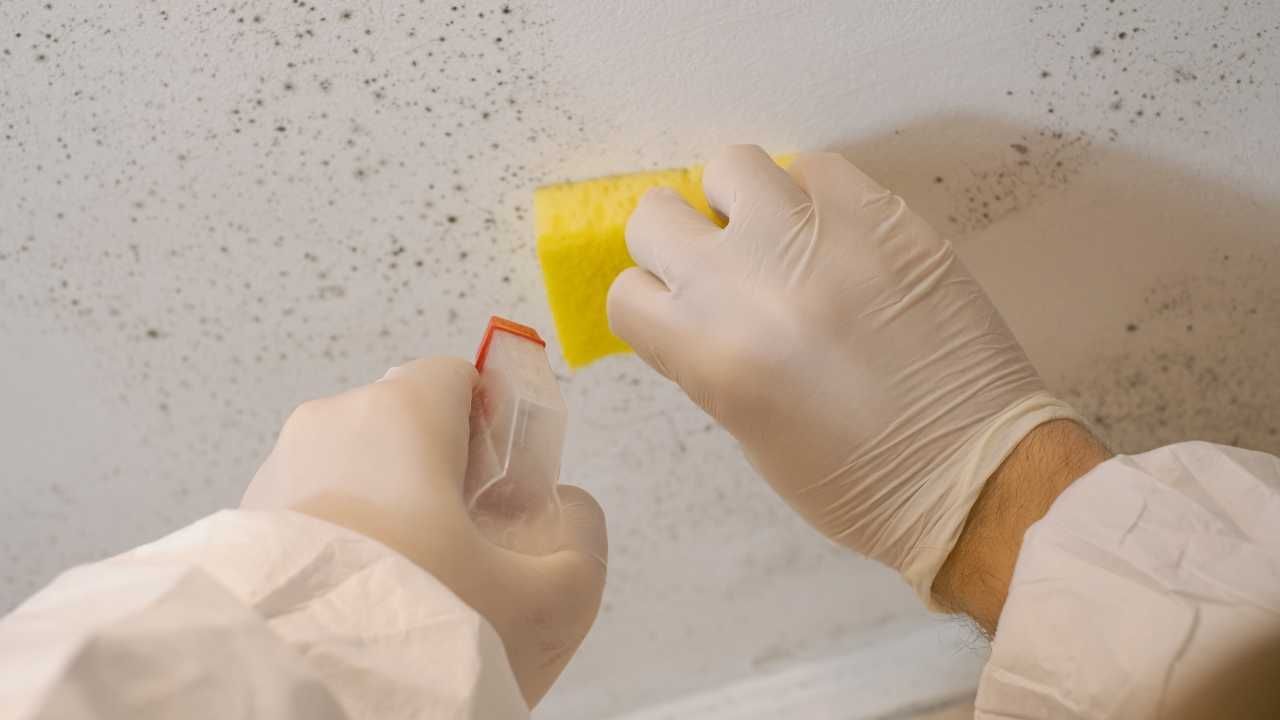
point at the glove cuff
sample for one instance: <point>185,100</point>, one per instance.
<point>965,474</point>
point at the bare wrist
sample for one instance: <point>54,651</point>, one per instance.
<point>975,578</point>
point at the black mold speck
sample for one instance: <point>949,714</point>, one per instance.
<point>1095,52</point>
<point>153,333</point>
<point>1019,148</point>
<point>1131,327</point>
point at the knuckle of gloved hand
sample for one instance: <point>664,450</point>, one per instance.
<point>647,216</point>
<point>620,303</point>
<point>654,196</point>
<point>736,158</point>
<point>389,401</point>
<point>304,420</point>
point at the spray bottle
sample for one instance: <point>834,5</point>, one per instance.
<point>518,420</point>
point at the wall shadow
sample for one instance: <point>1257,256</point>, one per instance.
<point>1146,293</point>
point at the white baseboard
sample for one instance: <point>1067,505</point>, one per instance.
<point>903,670</point>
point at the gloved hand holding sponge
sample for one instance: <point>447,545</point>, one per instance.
<point>840,340</point>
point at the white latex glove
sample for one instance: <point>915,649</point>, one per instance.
<point>388,460</point>
<point>840,340</point>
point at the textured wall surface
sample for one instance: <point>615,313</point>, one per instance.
<point>211,211</point>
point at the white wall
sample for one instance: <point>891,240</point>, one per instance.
<point>211,212</point>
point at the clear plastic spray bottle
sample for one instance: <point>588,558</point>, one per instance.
<point>518,420</point>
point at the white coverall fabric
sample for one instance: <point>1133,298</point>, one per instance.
<point>250,614</point>
<point>1145,577</point>
<point>1144,572</point>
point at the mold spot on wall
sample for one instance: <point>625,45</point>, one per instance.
<point>1186,368</point>
<point>235,207</point>
<point>1152,68</point>
<point>1035,164</point>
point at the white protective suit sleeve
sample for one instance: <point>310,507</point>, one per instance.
<point>1143,579</point>
<point>252,614</point>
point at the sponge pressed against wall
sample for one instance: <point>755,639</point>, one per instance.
<point>582,248</point>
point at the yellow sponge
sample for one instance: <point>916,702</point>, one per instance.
<point>582,248</point>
